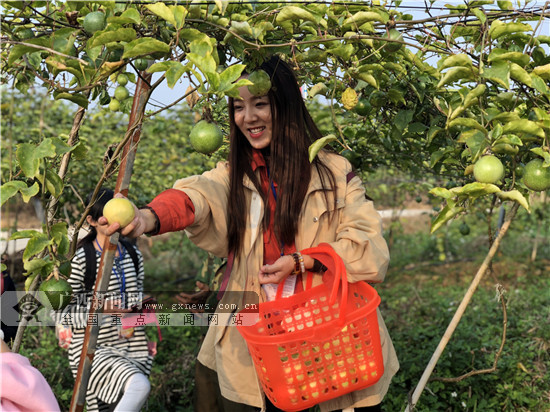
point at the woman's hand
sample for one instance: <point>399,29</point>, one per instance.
<point>277,271</point>
<point>144,221</point>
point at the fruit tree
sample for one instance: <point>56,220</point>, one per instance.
<point>431,95</point>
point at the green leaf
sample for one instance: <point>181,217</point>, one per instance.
<point>129,16</point>
<point>231,74</point>
<point>499,29</point>
<point>242,28</point>
<point>206,64</point>
<point>456,60</point>
<point>516,196</point>
<point>213,81</point>
<point>60,146</point>
<point>28,162</point>
<point>446,214</point>
<point>344,51</point>
<point>542,153</point>
<point>519,74</point>
<point>442,192</point>
<point>161,10</point>
<point>174,70</point>
<point>519,58</point>
<point>202,47</point>
<point>480,15</point>
<point>19,50</point>
<point>473,95</point>
<point>292,13</point>
<point>475,189</point>
<point>539,84</point>
<point>363,17</point>
<point>77,98</point>
<point>35,265</point>
<point>180,13</point>
<point>318,145</point>
<point>467,122</point>
<point>101,38</point>
<point>54,184</point>
<point>35,245</point>
<point>27,193</point>
<point>499,73</point>
<point>543,71</point>
<point>10,189</point>
<point>524,126</point>
<point>25,234</point>
<point>455,74</point>
<point>144,46</point>
<point>402,119</point>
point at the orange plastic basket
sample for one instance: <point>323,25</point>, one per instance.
<point>319,344</point>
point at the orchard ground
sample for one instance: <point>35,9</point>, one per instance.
<point>419,296</point>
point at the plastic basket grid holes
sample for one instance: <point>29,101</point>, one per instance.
<point>306,372</point>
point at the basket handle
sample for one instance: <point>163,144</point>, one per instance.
<point>328,257</point>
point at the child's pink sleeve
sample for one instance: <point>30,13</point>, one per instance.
<point>23,387</point>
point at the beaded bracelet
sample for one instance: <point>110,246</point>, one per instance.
<point>299,263</point>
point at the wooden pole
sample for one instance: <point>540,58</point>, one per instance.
<point>459,312</point>
<point>109,248</point>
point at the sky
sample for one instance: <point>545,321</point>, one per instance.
<point>164,95</point>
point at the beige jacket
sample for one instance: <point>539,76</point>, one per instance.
<point>355,234</point>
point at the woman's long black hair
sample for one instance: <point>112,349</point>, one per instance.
<point>293,132</point>
<point>96,211</point>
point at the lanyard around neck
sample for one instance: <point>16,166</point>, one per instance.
<point>119,268</point>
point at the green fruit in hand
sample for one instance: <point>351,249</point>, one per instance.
<point>121,93</point>
<point>141,64</point>
<point>119,210</point>
<point>464,229</point>
<point>114,105</point>
<point>94,21</point>
<point>488,169</point>
<point>55,293</point>
<point>536,177</point>
<point>363,107</point>
<point>206,137</point>
<point>390,46</point>
<point>122,79</point>
<point>262,83</point>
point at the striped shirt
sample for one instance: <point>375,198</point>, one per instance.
<point>116,358</point>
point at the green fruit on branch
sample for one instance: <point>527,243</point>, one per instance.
<point>488,169</point>
<point>119,210</point>
<point>122,79</point>
<point>114,105</point>
<point>363,107</point>
<point>121,93</point>
<point>94,21</point>
<point>536,177</point>
<point>206,137</point>
<point>464,229</point>
<point>55,293</point>
<point>262,83</point>
<point>141,64</point>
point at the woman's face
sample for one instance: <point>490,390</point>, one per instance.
<point>253,118</point>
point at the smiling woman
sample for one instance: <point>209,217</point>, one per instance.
<point>261,208</point>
